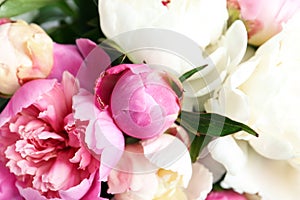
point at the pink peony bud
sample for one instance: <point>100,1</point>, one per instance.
<point>141,100</point>
<point>263,19</point>
<point>225,195</point>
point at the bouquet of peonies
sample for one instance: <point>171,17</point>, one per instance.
<point>149,99</point>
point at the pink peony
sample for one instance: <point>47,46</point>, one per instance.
<point>42,145</point>
<point>225,195</point>
<point>141,101</point>
<point>264,19</point>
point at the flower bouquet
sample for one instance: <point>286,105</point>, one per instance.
<point>149,99</point>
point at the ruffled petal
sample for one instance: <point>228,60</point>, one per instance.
<point>25,97</point>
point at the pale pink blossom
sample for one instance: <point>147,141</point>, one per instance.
<point>264,19</point>
<point>159,169</point>
<point>141,101</point>
<point>25,54</point>
<point>42,145</point>
<point>28,53</point>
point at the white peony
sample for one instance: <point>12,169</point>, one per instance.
<point>248,171</point>
<point>263,92</point>
<point>192,18</point>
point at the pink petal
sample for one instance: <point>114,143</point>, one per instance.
<point>225,195</point>
<point>29,193</point>
<point>95,62</point>
<point>118,181</point>
<point>8,189</point>
<point>25,97</point>
<point>108,80</point>
<point>132,171</point>
<point>94,192</point>
<point>71,87</point>
<point>102,137</point>
<point>80,190</point>
<point>66,58</point>
<point>85,46</point>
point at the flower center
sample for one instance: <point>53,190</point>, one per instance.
<point>170,185</point>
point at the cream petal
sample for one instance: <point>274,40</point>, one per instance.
<point>169,153</point>
<point>235,41</point>
<point>271,179</point>
<point>120,16</point>
<point>201,182</point>
<point>222,147</point>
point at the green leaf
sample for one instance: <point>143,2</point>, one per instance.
<point>199,142</point>
<point>211,124</point>
<point>191,73</point>
<point>10,8</point>
<point>202,127</point>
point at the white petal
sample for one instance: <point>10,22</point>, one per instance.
<point>235,41</point>
<point>188,18</point>
<point>271,179</point>
<point>169,153</point>
<point>201,182</point>
<point>220,150</point>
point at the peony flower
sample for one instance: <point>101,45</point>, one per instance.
<point>26,54</point>
<point>8,189</point>
<point>225,195</point>
<point>164,164</point>
<point>188,18</point>
<point>248,171</point>
<point>42,145</point>
<point>264,19</point>
<point>262,93</point>
<point>140,100</point>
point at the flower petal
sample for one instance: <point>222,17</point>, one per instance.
<point>169,153</point>
<point>101,135</point>
<point>201,182</point>
<point>277,179</point>
<point>95,61</point>
<point>66,58</point>
<point>25,97</point>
